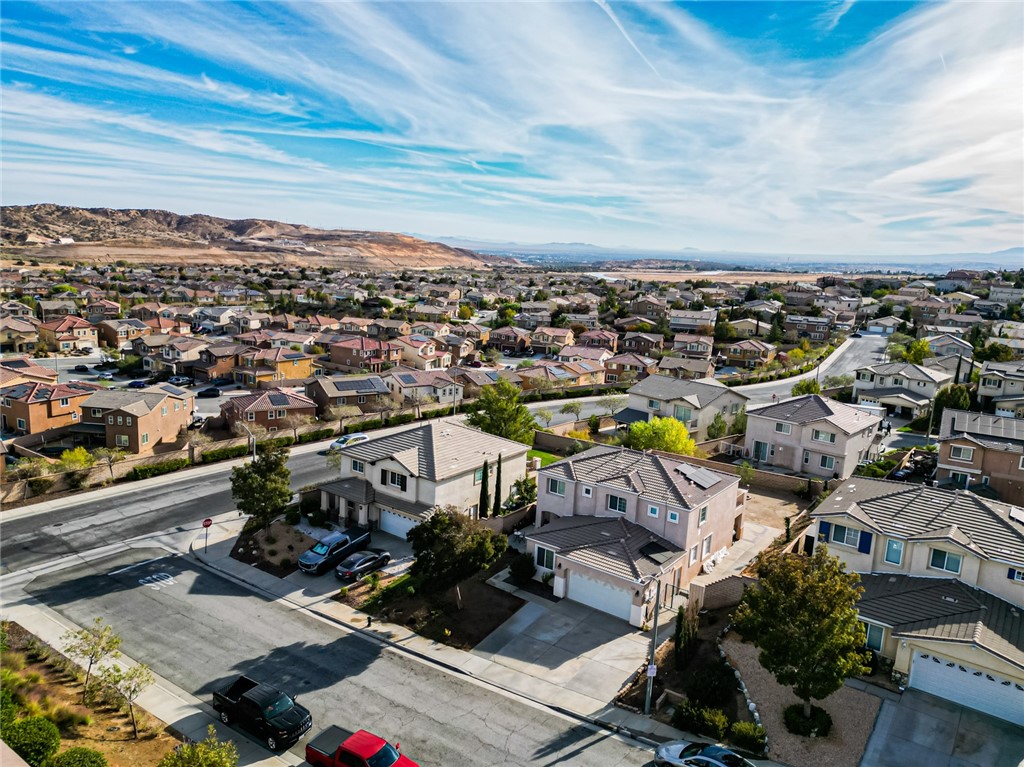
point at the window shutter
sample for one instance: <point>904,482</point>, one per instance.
<point>824,530</point>
<point>384,476</point>
<point>401,482</point>
<point>1011,573</point>
<point>864,546</point>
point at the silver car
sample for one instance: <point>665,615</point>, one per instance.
<point>683,753</point>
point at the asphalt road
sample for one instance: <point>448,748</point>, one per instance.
<point>200,631</point>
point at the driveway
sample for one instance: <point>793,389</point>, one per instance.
<point>924,731</point>
<point>564,648</point>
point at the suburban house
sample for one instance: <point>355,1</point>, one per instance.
<point>628,366</point>
<point>902,387</point>
<point>423,353</point>
<point>693,346</point>
<point>1001,387</point>
<point>751,327</point>
<point>217,361</point>
<point>982,453</point>
<point>884,325</point>
<point>943,572</point>
<point>749,353</point>
<point>176,356</point>
<point>687,321</point>
<point>642,343</point>
<point>265,365</point>
<point>55,309</point>
<point>18,334</point>
<point>15,370</point>
<point>547,374</point>
<point>547,340</point>
<point>650,308</point>
<point>392,483</point>
<point>31,407</point>
<point>389,328</point>
<point>510,339</point>
<point>361,391</point>
<point>613,522</point>
<point>684,367</point>
<point>119,333</point>
<point>577,353</point>
<point>66,334</point>
<point>137,420</point>
<point>601,337</point>
<point>365,355</point>
<point>946,345</point>
<point>798,326</point>
<point>409,385</point>
<point>694,402</point>
<point>270,409</point>
<point>15,309</point>
<point>810,434</point>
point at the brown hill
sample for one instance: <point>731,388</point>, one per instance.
<point>105,235</point>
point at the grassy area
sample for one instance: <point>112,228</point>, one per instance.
<point>545,457</point>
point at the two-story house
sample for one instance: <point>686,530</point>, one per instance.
<point>628,367</point>
<point>412,386</point>
<point>393,482</point>
<point>943,577</point>
<point>611,523</point>
<point>15,370</point>
<point>642,343</point>
<point>423,353</point>
<point>548,340</point>
<point>278,364</point>
<point>693,346</point>
<point>695,402</point>
<point>601,338</point>
<point>511,340</point>
<point>649,307</point>
<point>365,354</point>
<point>810,434</point>
<point>361,391</point>
<point>50,310</point>
<point>982,452</point>
<point>217,361</point>
<point>138,420</point>
<point>946,345</point>
<point>270,409</point>
<point>902,387</point>
<point>684,367</point>
<point>19,334</point>
<point>67,334</point>
<point>548,374</point>
<point>1001,387</point>
<point>799,326</point>
<point>576,353</point>
<point>177,356</point>
<point>692,321</point>
<point>119,333</point>
<point>749,353</point>
<point>32,407</point>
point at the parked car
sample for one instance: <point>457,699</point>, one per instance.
<point>221,382</point>
<point>683,753</point>
<point>102,376</point>
<point>347,441</point>
<point>361,563</point>
<point>265,711</point>
<point>211,391</point>
<point>137,384</point>
<point>335,747</point>
<point>81,368</point>
<point>197,422</point>
<point>332,549</point>
<point>179,380</point>
<point>856,334</point>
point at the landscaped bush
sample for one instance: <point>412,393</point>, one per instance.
<point>79,756</point>
<point>309,503</point>
<point>401,418</point>
<point>222,453</point>
<point>39,485</point>
<point>439,413</point>
<point>317,517</point>
<point>156,469</point>
<point>35,739</point>
<point>276,442</point>
<point>712,686</point>
<point>293,516</point>
<point>749,736</point>
<point>314,436</point>
<point>364,426</point>
<point>820,723</point>
<point>522,568</point>
<point>684,639</point>
<point>711,722</point>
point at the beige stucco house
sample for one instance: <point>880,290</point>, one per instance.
<point>694,402</point>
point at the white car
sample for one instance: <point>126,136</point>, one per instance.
<point>105,377</point>
<point>347,441</point>
<point>178,380</point>
<point>683,753</point>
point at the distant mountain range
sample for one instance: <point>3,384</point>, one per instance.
<point>581,253</point>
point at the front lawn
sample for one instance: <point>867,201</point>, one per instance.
<point>545,457</point>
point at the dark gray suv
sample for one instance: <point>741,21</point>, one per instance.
<point>333,548</point>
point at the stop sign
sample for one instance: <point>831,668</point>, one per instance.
<point>207,522</point>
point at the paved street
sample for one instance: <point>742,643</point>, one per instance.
<point>199,631</point>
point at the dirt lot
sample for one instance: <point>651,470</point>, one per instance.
<point>770,508</point>
<point>275,551</point>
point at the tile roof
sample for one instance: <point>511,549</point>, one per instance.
<point>138,402</point>
<point>929,513</point>
<point>945,610</point>
<point>268,399</point>
<point>347,385</point>
<point>995,428</point>
<point>646,474</point>
<point>809,408</point>
<point>436,451</point>
<point>611,545</point>
<point>908,370</point>
<point>34,391</point>
<point>700,392</point>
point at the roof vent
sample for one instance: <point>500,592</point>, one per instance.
<point>950,599</point>
<point>606,534</point>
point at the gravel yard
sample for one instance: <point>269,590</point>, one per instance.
<point>853,715</point>
<point>770,508</point>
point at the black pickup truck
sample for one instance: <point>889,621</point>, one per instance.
<point>265,711</point>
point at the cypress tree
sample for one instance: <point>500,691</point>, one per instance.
<point>485,496</point>
<point>497,490</point>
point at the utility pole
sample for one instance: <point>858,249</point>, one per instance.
<point>652,668</point>
<point>252,439</point>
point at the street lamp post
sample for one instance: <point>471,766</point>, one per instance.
<point>252,438</point>
<point>652,667</point>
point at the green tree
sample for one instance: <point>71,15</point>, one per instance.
<point>262,488</point>
<point>666,434</point>
<point>485,494</point>
<point>78,459</point>
<point>746,473</point>
<point>739,423</point>
<point>109,456</point>
<point>129,684</point>
<point>802,615</point>
<point>545,414</point>
<point>806,386</point>
<point>572,408</point>
<point>497,490</point>
<point>957,397</point>
<point>918,351</point>
<point>500,412</point>
<point>209,752</point>
<point>718,427</point>
<point>611,403</point>
<point>450,547</point>
<point>465,312</point>
<point>995,352</point>
<point>34,738</point>
<point>92,644</point>
<point>79,756</point>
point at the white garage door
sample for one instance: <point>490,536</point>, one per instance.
<point>600,596</point>
<point>396,524</point>
<point>968,686</point>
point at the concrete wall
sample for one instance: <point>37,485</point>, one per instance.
<point>723,593</point>
<point>509,522</point>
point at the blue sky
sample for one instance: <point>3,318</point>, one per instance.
<point>840,127</point>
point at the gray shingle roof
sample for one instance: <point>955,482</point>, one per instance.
<point>347,385</point>
<point>929,513</point>
<point>700,391</point>
<point>945,610</point>
<point>609,544</point>
<point>436,451</point>
<point>652,476</point>
<point>987,427</point>
<point>133,402</point>
<point>813,407</point>
<point>908,370</point>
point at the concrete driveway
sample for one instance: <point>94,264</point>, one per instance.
<point>924,731</point>
<point>564,648</point>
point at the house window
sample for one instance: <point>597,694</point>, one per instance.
<point>478,476</point>
<point>706,548</point>
<point>682,413</point>
<point>693,553</point>
<point>96,412</point>
<point>615,503</point>
<point>555,486</point>
<point>1016,575</point>
<point>74,416</point>
<point>588,492</point>
<point>959,478</point>
<point>121,440</point>
<point>827,462</point>
<point>894,552</point>
<point>361,399</point>
<point>250,416</point>
<point>127,420</point>
<point>163,410</point>
<point>110,420</point>
<point>702,516</point>
<point>120,420</point>
<point>357,466</point>
<point>845,536</point>
<point>271,414</point>
<point>652,511</point>
<point>873,637</point>
<point>961,453</point>
<point>944,560</point>
<point>545,558</point>
<point>21,424</point>
<point>145,439</point>
<point>823,436</point>
<point>673,516</point>
<point>783,428</point>
<point>653,404</point>
<point>177,406</point>
<point>64,402</point>
<point>397,480</point>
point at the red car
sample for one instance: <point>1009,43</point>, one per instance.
<point>335,747</point>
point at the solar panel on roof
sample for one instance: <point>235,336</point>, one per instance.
<point>278,399</point>
<point>698,475</point>
<point>656,552</point>
<point>407,378</point>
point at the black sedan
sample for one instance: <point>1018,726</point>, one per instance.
<point>81,368</point>
<point>212,391</point>
<point>361,563</point>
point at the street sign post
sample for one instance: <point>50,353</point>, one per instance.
<point>206,525</point>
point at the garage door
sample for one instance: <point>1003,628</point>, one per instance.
<point>394,524</point>
<point>968,686</point>
<point>600,596</point>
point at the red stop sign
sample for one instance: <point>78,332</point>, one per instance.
<point>207,522</point>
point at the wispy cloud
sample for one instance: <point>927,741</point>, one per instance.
<point>834,14</point>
